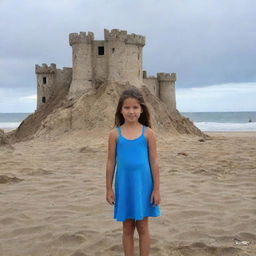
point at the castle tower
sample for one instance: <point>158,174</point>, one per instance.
<point>124,56</point>
<point>115,41</point>
<point>82,63</point>
<point>46,77</point>
<point>134,46</point>
<point>167,89</point>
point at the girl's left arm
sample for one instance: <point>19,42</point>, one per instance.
<point>153,158</point>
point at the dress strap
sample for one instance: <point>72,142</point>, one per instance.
<point>119,131</point>
<point>143,128</point>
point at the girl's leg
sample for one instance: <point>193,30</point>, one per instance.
<point>128,233</point>
<point>144,236</point>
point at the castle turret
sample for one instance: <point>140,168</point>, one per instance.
<point>167,89</point>
<point>135,44</point>
<point>124,56</point>
<point>116,54</point>
<point>46,77</point>
<point>82,63</point>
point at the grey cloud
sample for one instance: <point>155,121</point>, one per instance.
<point>204,42</point>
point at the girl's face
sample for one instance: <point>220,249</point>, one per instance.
<point>131,110</point>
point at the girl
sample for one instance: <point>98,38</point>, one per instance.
<point>132,153</point>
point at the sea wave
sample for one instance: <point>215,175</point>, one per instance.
<point>226,127</point>
<point>9,125</point>
<point>204,126</point>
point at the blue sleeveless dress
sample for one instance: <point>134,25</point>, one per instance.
<point>133,180</point>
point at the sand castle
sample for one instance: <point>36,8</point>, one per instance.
<point>84,98</point>
<point>117,58</point>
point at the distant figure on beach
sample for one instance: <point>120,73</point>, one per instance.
<point>132,156</point>
<point>250,120</point>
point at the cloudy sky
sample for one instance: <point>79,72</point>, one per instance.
<point>210,44</point>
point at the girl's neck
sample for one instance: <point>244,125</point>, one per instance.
<point>131,124</point>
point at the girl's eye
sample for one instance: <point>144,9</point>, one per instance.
<point>135,107</point>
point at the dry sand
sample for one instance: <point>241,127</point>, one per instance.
<point>56,204</point>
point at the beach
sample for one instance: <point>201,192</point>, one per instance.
<point>57,206</point>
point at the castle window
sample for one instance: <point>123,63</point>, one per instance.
<point>113,50</point>
<point>101,50</point>
<point>43,99</point>
<point>44,80</point>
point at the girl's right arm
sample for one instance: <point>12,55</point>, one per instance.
<point>111,162</point>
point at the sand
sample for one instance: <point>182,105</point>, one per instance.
<point>52,197</point>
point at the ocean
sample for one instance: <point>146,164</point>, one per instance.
<point>11,120</point>
<point>205,121</point>
<point>223,121</point>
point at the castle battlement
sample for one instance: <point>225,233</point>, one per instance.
<point>81,38</point>
<point>145,76</point>
<point>45,69</point>
<point>122,35</point>
<point>166,77</point>
<point>115,34</point>
<point>64,69</point>
<point>135,39</point>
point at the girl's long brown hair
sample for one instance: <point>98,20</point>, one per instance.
<point>136,94</point>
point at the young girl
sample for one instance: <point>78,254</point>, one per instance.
<point>132,153</point>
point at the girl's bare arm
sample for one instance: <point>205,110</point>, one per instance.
<point>111,162</point>
<point>153,157</point>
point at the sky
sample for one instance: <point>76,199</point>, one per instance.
<point>209,44</point>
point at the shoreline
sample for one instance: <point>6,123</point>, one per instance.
<point>233,133</point>
<point>8,129</point>
<point>206,132</point>
<point>229,131</point>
